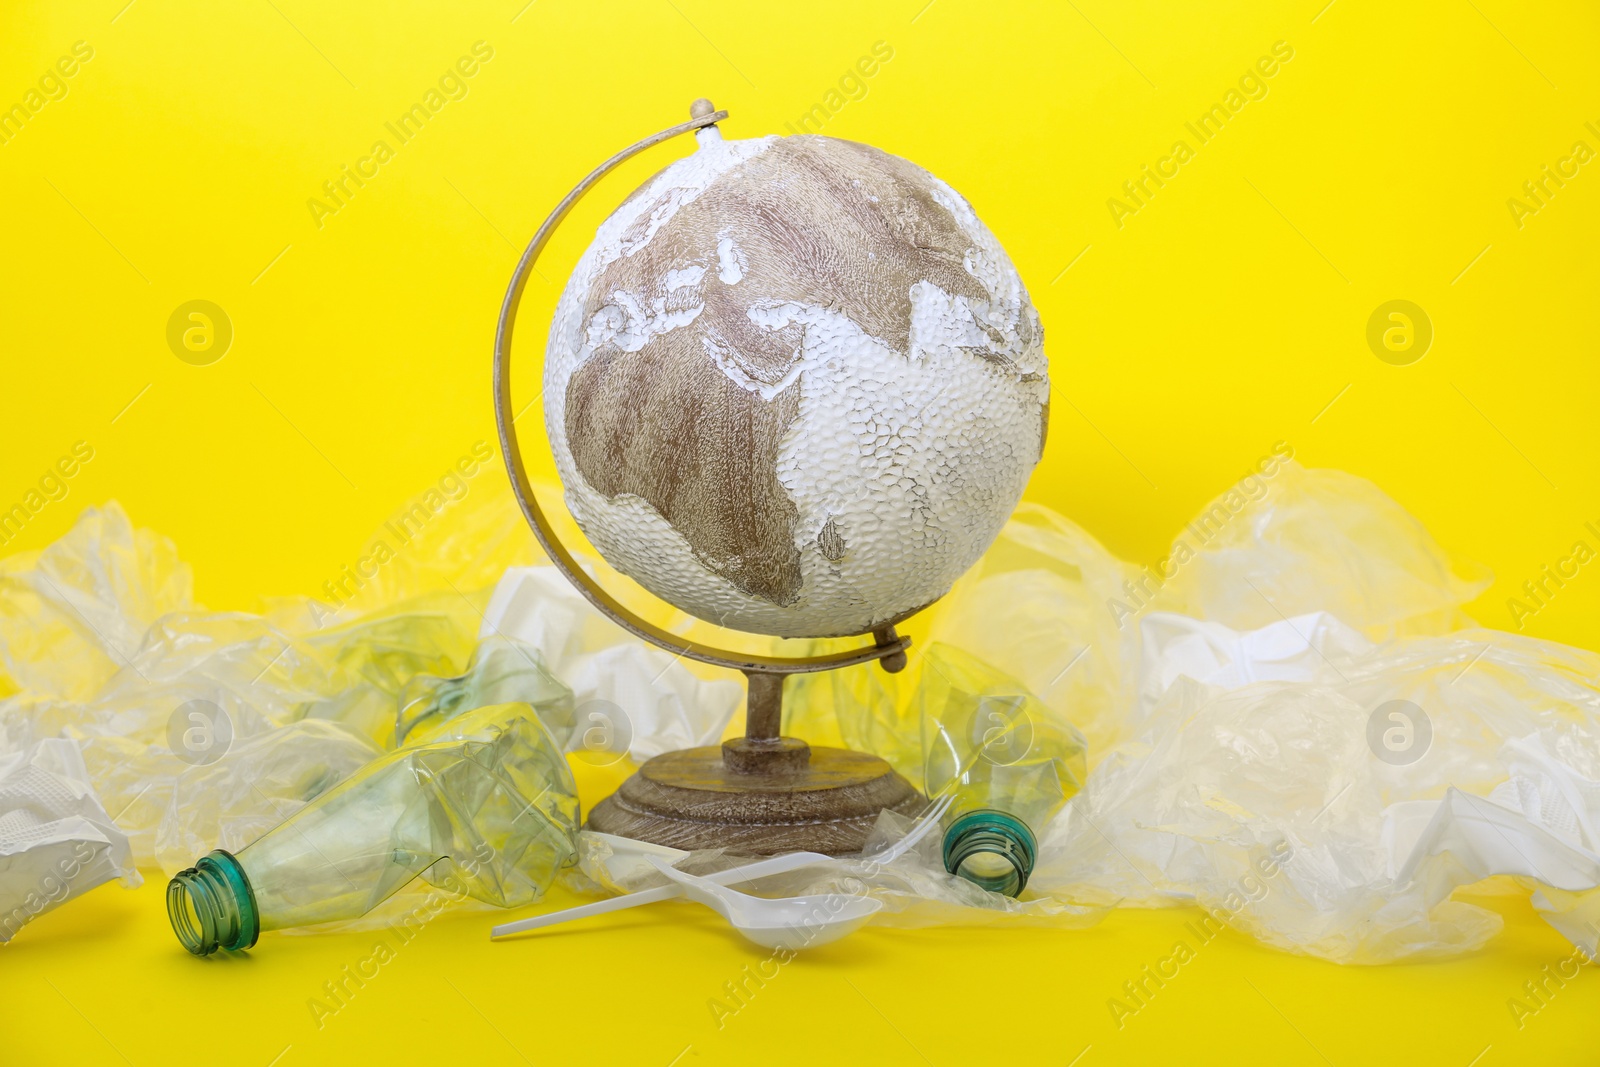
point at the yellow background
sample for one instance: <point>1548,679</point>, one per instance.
<point>1229,313</point>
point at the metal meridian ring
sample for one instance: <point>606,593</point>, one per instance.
<point>890,645</point>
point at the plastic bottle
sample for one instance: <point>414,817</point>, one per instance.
<point>1010,762</point>
<point>484,802</point>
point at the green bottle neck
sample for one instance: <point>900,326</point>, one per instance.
<point>992,849</point>
<point>212,906</point>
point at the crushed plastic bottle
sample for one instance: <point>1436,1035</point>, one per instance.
<point>965,728</point>
<point>484,800</point>
<point>1035,608</point>
<point>1010,766</point>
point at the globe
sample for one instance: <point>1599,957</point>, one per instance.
<point>794,386</point>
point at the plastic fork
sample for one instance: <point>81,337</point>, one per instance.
<point>776,922</point>
<point>760,869</point>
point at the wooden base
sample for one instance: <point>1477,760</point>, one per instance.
<point>757,797</point>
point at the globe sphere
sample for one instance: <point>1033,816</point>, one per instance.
<point>794,386</point>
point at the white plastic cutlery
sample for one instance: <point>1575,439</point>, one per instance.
<point>749,872</point>
<point>759,869</point>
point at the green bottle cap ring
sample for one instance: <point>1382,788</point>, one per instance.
<point>212,906</point>
<point>992,849</point>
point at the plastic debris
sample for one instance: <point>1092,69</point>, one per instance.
<point>204,730</point>
<point>1294,542</point>
<point>1290,718</point>
<point>1282,777</point>
<point>1321,760</point>
<point>502,671</point>
<point>630,697</point>
<point>56,840</point>
<point>1006,761</point>
<point>482,803</point>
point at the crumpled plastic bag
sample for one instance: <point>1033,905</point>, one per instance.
<point>1290,650</point>
<point>72,615</point>
<point>1293,724</point>
<point>56,840</point>
<point>1367,742</point>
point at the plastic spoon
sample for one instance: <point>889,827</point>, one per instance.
<point>749,872</point>
<point>819,919</point>
<point>777,922</point>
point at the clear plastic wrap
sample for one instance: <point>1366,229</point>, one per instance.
<point>1312,780</point>
<point>1281,805</point>
<point>1320,756</point>
<point>204,729</point>
<point>1296,541</point>
<point>73,614</point>
<point>630,697</point>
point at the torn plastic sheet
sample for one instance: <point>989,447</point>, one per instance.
<point>1280,777</point>
<point>206,729</point>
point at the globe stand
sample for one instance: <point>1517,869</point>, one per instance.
<point>761,793</point>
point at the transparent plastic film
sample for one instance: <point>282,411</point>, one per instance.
<point>502,670</point>
<point>1036,608</point>
<point>856,707</point>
